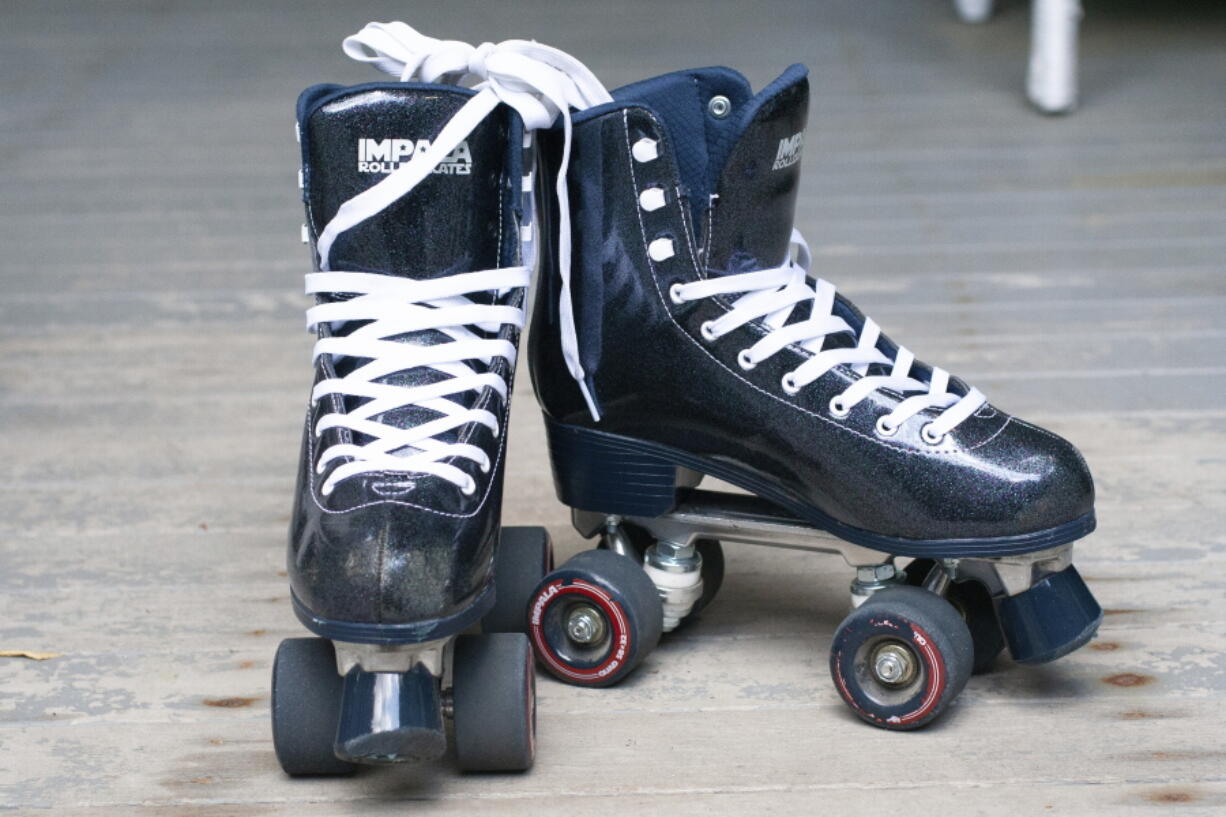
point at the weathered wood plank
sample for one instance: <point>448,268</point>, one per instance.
<point>223,759</point>
<point>1031,797</point>
<point>782,668</point>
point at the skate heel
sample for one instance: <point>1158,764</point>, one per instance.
<point>596,471</point>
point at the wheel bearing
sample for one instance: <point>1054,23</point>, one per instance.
<point>893,664</point>
<point>585,625</point>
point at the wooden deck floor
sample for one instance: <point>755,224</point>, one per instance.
<point>154,371</point>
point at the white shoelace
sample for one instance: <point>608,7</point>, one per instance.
<point>772,294</point>
<point>540,83</point>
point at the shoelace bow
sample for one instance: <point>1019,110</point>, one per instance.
<point>772,294</point>
<point>540,83</point>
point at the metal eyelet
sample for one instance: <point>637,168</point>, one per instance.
<point>884,428</point>
<point>674,293</point>
<point>644,150</point>
<point>929,437</point>
<point>708,332</point>
<point>742,357</point>
<point>652,199</point>
<point>837,408</point>
<point>719,106</point>
<point>661,249</point>
<point>789,384</point>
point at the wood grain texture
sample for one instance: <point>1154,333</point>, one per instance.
<point>155,372</point>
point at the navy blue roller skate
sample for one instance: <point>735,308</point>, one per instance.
<point>418,201</point>
<point>678,333</point>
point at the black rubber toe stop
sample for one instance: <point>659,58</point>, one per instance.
<point>1051,619</point>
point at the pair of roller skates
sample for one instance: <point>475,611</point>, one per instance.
<point>677,333</point>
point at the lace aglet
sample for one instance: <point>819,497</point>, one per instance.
<point>587,398</point>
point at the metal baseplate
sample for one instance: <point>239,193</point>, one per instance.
<point>751,520</point>
<point>432,655</point>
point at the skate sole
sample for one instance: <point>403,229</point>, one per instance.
<point>606,473</point>
<point>413,632</point>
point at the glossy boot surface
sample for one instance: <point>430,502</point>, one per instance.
<point>403,557</point>
<point>669,396</point>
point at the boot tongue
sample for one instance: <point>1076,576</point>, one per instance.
<point>751,218</point>
<point>449,223</point>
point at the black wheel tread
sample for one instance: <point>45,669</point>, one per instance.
<point>980,614</point>
<point>938,619</point>
<point>306,697</point>
<point>628,579</point>
<point>523,558</point>
<point>630,588</point>
<point>493,693</point>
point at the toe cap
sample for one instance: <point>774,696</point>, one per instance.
<point>1042,479</point>
<point>387,562</point>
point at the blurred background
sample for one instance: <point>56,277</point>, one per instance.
<point>155,370</point>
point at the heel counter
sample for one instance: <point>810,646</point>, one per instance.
<point>595,471</point>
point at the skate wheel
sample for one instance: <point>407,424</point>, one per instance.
<point>974,603</point>
<point>306,698</point>
<point>711,551</point>
<point>524,556</point>
<point>901,658</point>
<point>594,619</point>
<point>494,702</point>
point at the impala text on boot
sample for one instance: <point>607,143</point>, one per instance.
<point>386,155</point>
<point>789,152</point>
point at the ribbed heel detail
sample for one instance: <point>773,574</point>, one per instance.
<point>595,471</point>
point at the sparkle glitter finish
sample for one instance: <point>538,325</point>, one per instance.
<point>407,554</point>
<point>751,222</point>
<point>657,380</point>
